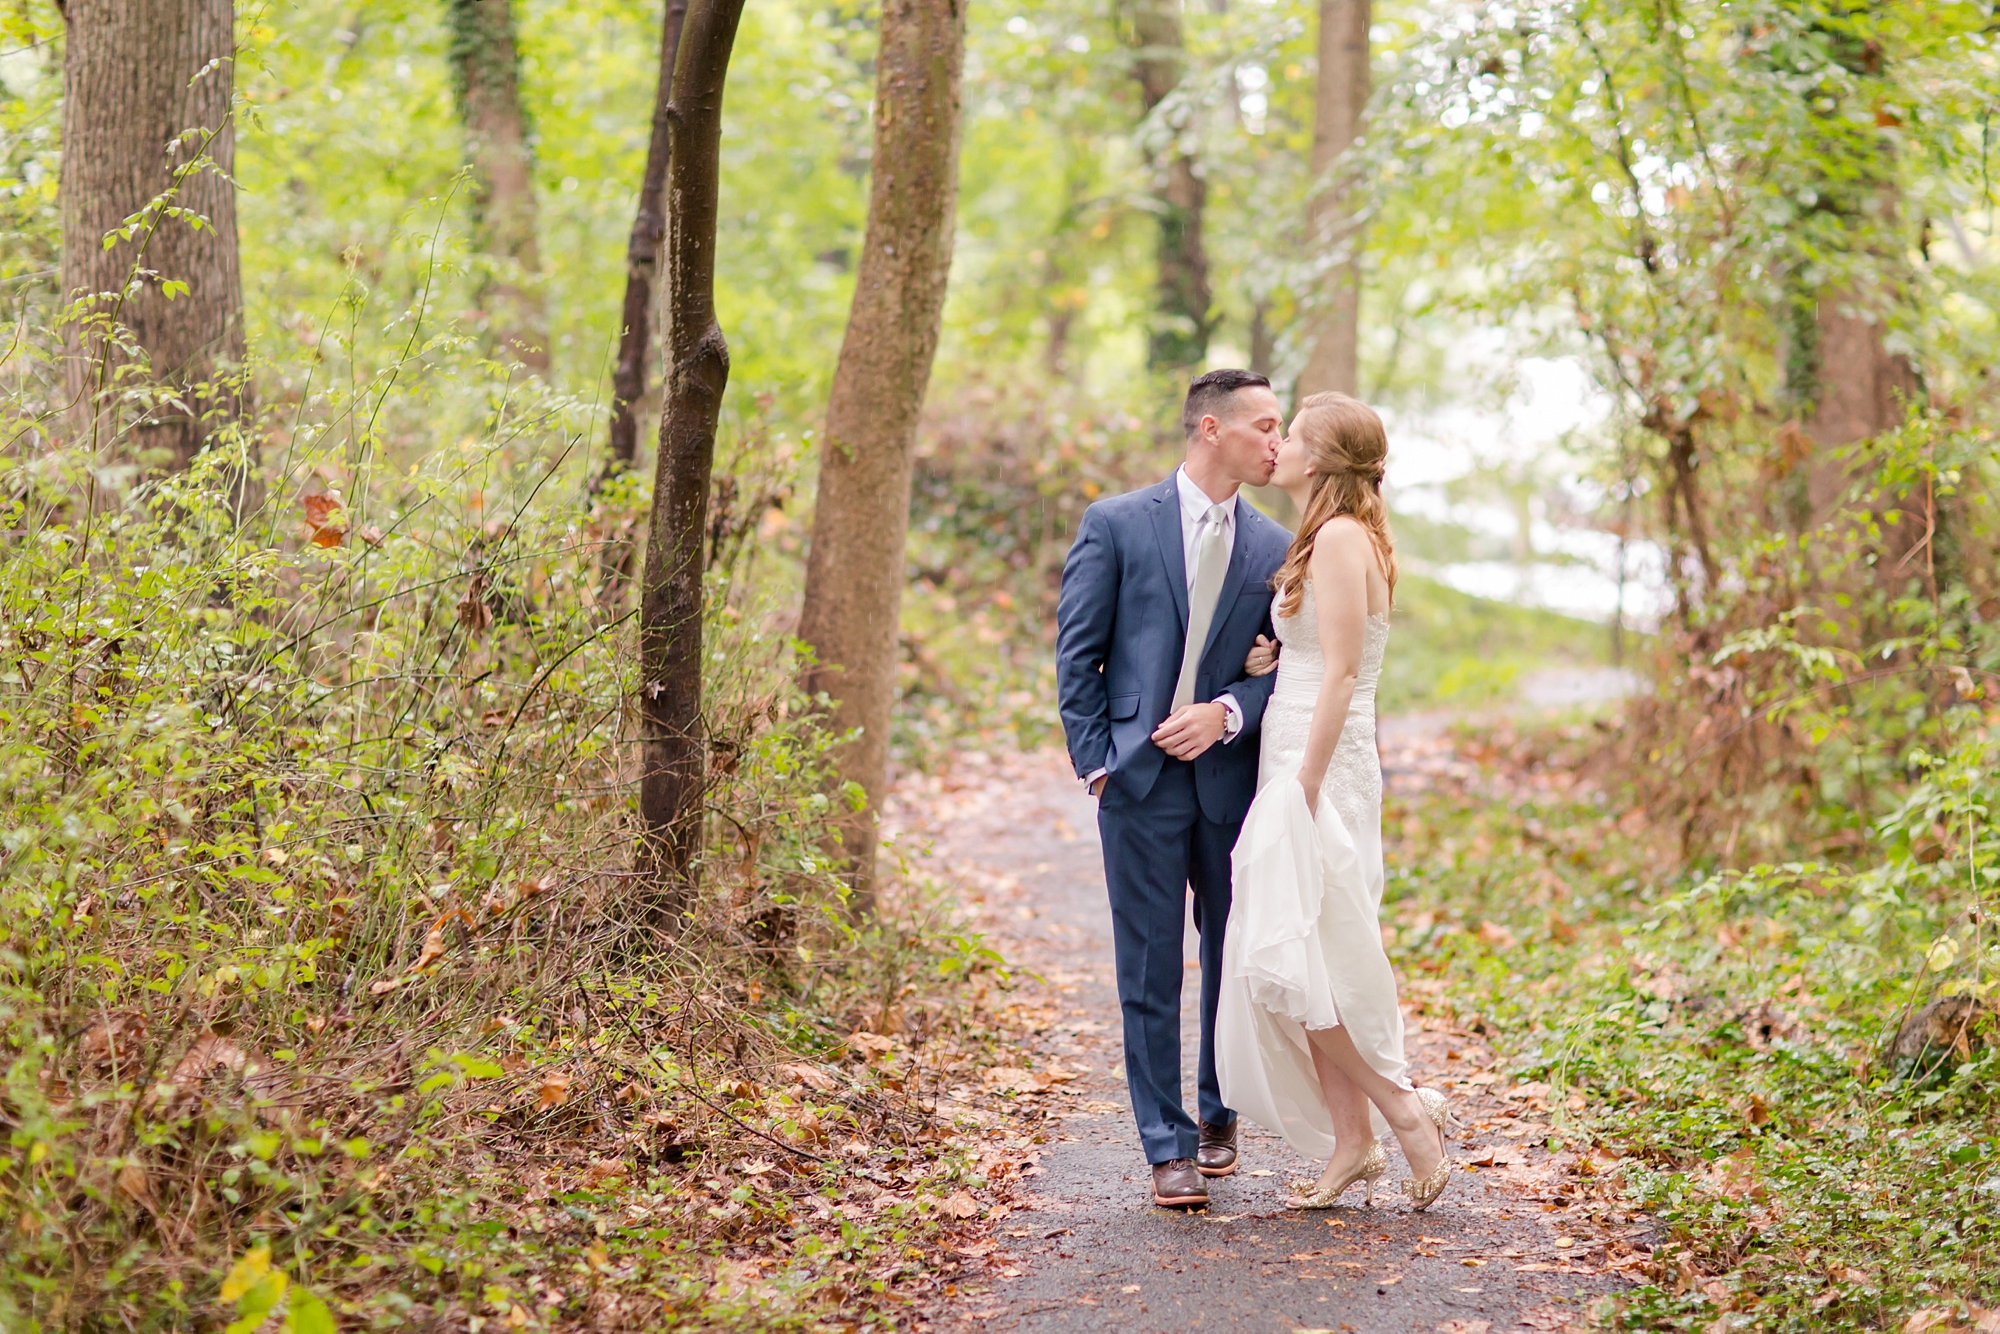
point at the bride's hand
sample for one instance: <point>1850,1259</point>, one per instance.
<point>1312,795</point>
<point>1263,659</point>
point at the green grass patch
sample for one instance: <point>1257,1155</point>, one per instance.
<point>1450,649</point>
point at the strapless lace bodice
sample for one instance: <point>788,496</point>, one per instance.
<point>1303,662</point>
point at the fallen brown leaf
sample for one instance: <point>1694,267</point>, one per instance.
<point>553,1090</point>
<point>1009,1079</point>
<point>958,1205</point>
<point>133,1181</point>
<point>208,1054</point>
<point>870,1046</point>
<point>110,1042</point>
<point>811,1076</point>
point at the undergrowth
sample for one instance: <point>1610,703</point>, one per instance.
<point>1794,1069</point>
<point>320,997</point>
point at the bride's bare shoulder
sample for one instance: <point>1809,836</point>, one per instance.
<point>1341,536</point>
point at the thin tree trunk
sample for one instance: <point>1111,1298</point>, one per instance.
<point>1340,98</point>
<point>147,93</point>
<point>855,574</point>
<point>1263,360</point>
<point>485,66</point>
<point>642,267</point>
<point>642,258</point>
<point>1181,322</point>
<point>672,747</point>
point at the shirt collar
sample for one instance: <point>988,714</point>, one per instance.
<point>1195,501</point>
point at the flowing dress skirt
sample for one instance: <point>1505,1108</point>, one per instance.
<point>1303,947</point>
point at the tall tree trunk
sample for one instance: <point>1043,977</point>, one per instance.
<point>485,68</point>
<point>1839,370</point>
<point>672,747</point>
<point>147,93</point>
<point>1340,98</point>
<point>1181,320</point>
<point>642,257</point>
<point>1859,389</point>
<point>854,575</point>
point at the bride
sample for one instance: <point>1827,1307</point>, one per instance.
<point>1308,1038</point>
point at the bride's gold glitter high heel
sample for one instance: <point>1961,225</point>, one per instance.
<point>1373,1164</point>
<point>1423,1192</point>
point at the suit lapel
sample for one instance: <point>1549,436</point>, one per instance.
<point>1167,528</point>
<point>1239,568</point>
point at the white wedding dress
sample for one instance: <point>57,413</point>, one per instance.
<point>1303,947</point>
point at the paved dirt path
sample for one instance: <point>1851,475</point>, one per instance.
<point>1085,1249</point>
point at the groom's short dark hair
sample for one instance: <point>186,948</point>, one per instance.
<point>1210,391</point>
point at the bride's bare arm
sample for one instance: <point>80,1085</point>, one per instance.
<point>1340,560</point>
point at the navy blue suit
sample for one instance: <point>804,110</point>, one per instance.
<point>1167,825</point>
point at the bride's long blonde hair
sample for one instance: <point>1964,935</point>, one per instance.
<point>1348,450</point>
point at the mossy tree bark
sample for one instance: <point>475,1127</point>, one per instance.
<point>673,750</point>
<point>1340,99</point>
<point>485,68</point>
<point>1181,319</point>
<point>147,100</point>
<point>854,573</point>
<point>1841,375</point>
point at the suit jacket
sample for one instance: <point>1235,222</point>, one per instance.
<point>1121,627</point>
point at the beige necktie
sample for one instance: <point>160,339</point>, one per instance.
<point>1211,563</point>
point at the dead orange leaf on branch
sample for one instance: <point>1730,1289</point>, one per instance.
<point>473,613</point>
<point>326,516</point>
<point>434,942</point>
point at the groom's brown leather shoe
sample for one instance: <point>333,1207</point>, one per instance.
<point>1179,1185</point>
<point>1217,1155</point>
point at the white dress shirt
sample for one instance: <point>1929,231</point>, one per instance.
<point>1195,505</point>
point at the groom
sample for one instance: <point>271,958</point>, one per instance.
<point>1163,595</point>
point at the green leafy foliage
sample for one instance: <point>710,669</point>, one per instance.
<point>1793,1069</point>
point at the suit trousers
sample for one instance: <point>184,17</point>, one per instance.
<point>1155,851</point>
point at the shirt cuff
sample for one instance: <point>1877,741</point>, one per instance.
<point>1095,774</point>
<point>1232,721</point>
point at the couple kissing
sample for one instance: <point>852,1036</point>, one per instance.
<point>1217,687</point>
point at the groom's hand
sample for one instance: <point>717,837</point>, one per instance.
<point>1191,729</point>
